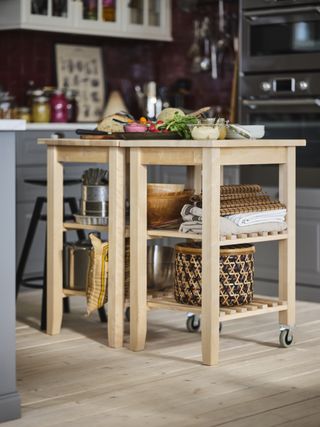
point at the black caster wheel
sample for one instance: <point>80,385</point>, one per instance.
<point>193,323</point>
<point>285,338</point>
<point>127,314</point>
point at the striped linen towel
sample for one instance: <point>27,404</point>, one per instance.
<point>252,218</point>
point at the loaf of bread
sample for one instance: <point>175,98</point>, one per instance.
<point>107,124</point>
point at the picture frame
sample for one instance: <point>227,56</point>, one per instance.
<point>80,68</point>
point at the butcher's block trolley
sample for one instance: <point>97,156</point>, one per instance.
<point>206,159</point>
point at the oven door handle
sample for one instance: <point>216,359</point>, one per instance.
<point>252,16</point>
<point>255,103</point>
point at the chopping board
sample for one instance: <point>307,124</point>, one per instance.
<point>95,134</point>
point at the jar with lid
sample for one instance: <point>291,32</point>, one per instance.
<point>72,106</point>
<point>58,103</point>
<point>7,106</point>
<point>40,109</point>
<point>23,113</point>
<point>109,10</point>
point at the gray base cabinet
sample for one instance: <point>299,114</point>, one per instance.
<point>31,163</point>
<point>308,248</point>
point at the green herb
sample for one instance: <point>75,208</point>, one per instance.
<point>180,124</point>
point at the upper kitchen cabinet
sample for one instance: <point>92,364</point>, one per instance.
<point>152,17</point>
<point>143,19</point>
<point>45,15</point>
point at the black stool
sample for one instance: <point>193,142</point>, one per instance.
<point>36,217</point>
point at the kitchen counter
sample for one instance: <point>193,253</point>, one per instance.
<point>60,126</point>
<point>9,398</point>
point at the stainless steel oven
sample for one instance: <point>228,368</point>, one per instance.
<point>289,107</point>
<point>280,35</point>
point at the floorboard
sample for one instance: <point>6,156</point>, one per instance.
<point>74,379</point>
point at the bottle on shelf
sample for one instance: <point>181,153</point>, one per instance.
<point>90,9</point>
<point>58,104</point>
<point>109,10</point>
<point>72,105</point>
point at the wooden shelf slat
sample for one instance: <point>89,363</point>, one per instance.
<point>225,240</point>
<point>102,228</point>
<point>73,292</point>
<point>263,306</point>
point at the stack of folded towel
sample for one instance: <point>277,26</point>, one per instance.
<point>244,209</point>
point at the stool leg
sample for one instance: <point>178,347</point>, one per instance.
<point>28,241</point>
<point>74,210</point>
<point>43,324</point>
<point>66,305</point>
<point>65,301</point>
<point>102,315</point>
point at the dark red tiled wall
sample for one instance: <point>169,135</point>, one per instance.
<point>29,55</point>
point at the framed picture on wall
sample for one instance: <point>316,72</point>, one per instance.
<point>80,68</point>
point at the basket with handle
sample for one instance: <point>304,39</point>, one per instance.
<point>236,274</point>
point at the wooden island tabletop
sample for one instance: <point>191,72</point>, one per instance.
<point>152,143</point>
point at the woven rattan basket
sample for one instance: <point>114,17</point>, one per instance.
<point>236,274</point>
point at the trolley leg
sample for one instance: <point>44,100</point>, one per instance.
<point>138,251</point>
<point>287,250</point>
<point>210,255</point>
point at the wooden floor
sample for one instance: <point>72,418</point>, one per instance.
<point>75,380</point>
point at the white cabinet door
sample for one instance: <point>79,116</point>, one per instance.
<point>100,17</point>
<point>142,19</point>
<point>53,15</point>
<point>149,19</point>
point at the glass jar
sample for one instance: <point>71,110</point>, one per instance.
<point>7,106</point>
<point>40,109</point>
<point>23,113</point>
<point>109,10</point>
<point>58,103</point>
<point>72,106</point>
<point>90,9</point>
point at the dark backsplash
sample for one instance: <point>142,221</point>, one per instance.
<point>29,55</point>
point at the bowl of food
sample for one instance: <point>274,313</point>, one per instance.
<point>208,129</point>
<point>135,127</point>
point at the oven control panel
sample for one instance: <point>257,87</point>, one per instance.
<point>265,86</point>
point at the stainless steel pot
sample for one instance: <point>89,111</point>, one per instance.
<point>160,272</point>
<point>94,200</point>
<point>76,265</point>
<point>94,193</point>
<point>94,208</point>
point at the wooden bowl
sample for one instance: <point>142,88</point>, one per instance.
<point>164,209</point>
<point>165,188</point>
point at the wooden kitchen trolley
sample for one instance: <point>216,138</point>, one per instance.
<point>208,158</point>
<point>61,151</point>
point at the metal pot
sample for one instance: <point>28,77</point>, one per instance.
<point>160,272</point>
<point>94,193</point>
<point>76,265</point>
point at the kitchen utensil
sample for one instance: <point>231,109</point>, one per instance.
<point>91,220</point>
<point>94,193</point>
<point>160,269</point>
<point>245,131</point>
<point>76,265</point>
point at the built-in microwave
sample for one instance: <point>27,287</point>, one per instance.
<point>280,35</point>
